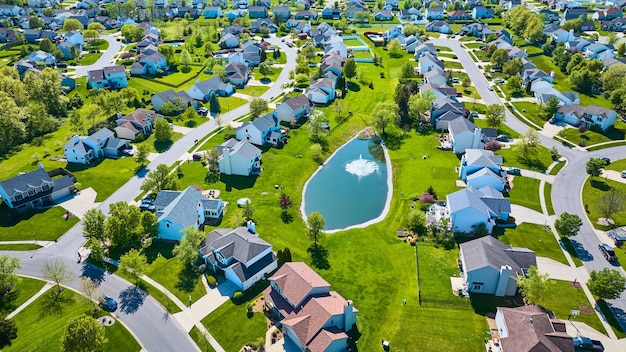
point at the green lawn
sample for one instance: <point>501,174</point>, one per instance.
<point>272,77</point>
<point>254,91</point>
<point>531,111</point>
<point>563,297</point>
<point>88,59</point>
<point>536,238</point>
<point>452,64</point>
<point>233,328</point>
<point>97,44</point>
<point>178,78</point>
<point>468,92</point>
<point>230,103</point>
<point>23,228</point>
<point>474,45</point>
<point>42,324</point>
<point>617,165</point>
<point>555,170</point>
<point>19,247</point>
<point>540,162</point>
<point>200,340</point>
<point>502,129</point>
<point>105,177</point>
<point>352,42</point>
<point>362,55</point>
<point>181,280</point>
<point>547,191</point>
<point>154,147</point>
<point>589,138</point>
<point>525,192</point>
<point>24,289</point>
<point>593,190</point>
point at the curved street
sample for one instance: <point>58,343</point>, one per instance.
<point>150,322</point>
<point>105,59</point>
<point>568,184</point>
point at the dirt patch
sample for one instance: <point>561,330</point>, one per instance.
<point>575,284</point>
<point>258,305</point>
<point>585,310</point>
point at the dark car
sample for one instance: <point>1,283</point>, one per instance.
<point>514,171</point>
<point>107,303</point>
<point>607,252</point>
<point>502,138</point>
<point>607,161</point>
<point>147,207</point>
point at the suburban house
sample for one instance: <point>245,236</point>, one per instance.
<point>238,74</point>
<point>411,14</point>
<point>313,317</point>
<point>598,51</point>
<point>149,64</point>
<point>480,168</point>
<point>293,109</point>
<point>428,62</point>
<point>423,49</point>
<point>36,188</point>
<point>241,254</point>
<point>434,13</point>
<point>482,12</point>
<point>464,135</point>
<point>439,26</point>
<point>140,121</point>
<point>444,110</point>
<point>322,91</point>
<point>85,150</point>
<point>469,207</point>
<point>587,116</point>
<point>531,328</point>
<point>382,15</point>
<point>176,210</point>
<point>212,12</point>
<point>239,158</point>
<point>260,23</point>
<point>614,25</point>
<point>209,87</point>
<point>107,77</point>
<point>436,77</point>
<point>305,15</point>
<point>330,13</point>
<point>257,12</point>
<point>459,15</point>
<point>76,39</point>
<point>41,56</point>
<point>229,41</point>
<point>282,12</point>
<point>160,99</point>
<point>492,267</point>
<point>563,36</point>
<point>442,91</point>
<point>262,130</point>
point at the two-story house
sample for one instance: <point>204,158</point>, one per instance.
<point>261,131</point>
<point>293,108</point>
<point>108,76</point>
<point>140,121</point>
<point>88,149</point>
<point>239,158</point>
<point>36,188</point>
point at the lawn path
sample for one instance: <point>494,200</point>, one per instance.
<point>43,290</point>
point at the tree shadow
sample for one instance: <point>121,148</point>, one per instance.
<point>131,299</point>
<point>159,248</point>
<point>583,254</point>
<point>93,272</point>
<point>533,164</point>
<point>485,304</point>
<point>238,182</point>
<point>319,256</point>
<point>187,279</point>
<point>286,217</point>
<point>53,302</point>
<point>353,87</point>
<point>615,316</point>
<point>394,142</point>
<point>601,185</point>
<point>353,337</point>
<point>191,123</point>
<point>161,147</point>
<point>7,301</point>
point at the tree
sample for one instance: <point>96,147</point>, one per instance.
<point>466,82</point>
<point>551,107</point>
<point>189,114</point>
<point>407,70</point>
<point>185,59</point>
<point>415,222</point>
<point>349,68</point>
<point>149,223</point>
<point>35,22</point>
<point>162,131</point>
<point>123,226</point>
<point>55,270</point>
<point>132,33</point>
<point>607,283</point>
<point>528,145</point>
<point>494,146</point>
<point>575,24</point>
<point>595,166</point>
<point>568,225</point>
<point>90,289</point>
<point>613,78</point>
<point>8,332</point>
<point>308,52</point>
<point>265,69</point>
<point>514,84</point>
<point>316,128</point>
<point>187,251</point>
<point>247,211</point>
<point>283,256</point>
<point>339,106</point>
<point>214,104</point>
<point>96,26</point>
<point>315,224</point>
<point>533,285</point>
<point>8,272</point>
<point>395,49</point>
<point>499,58</point>
<point>513,67</point>
<point>383,114</point>
<point>220,71</point>
<point>72,25</point>
<point>612,202</point>
<point>258,106</point>
<point>621,49</point>
<point>284,201</point>
<point>361,17</point>
<point>134,262</point>
<point>495,115</point>
<point>94,222</point>
<point>420,103</point>
<point>142,154</point>
<point>411,29</point>
<point>159,179</point>
<point>83,334</point>
<point>46,45</point>
<point>91,34</point>
<point>168,51</point>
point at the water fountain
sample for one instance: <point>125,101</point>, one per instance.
<point>361,167</point>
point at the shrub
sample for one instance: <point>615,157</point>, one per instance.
<point>201,268</point>
<point>238,295</point>
<point>427,198</point>
<point>415,197</point>
<point>258,343</point>
<point>582,129</point>
<point>211,280</point>
<point>493,146</point>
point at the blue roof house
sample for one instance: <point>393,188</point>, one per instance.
<point>480,168</point>
<point>261,131</point>
<point>206,89</point>
<point>109,76</point>
<point>212,12</point>
<point>35,188</point>
<point>470,207</point>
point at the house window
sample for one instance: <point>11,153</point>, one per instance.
<point>477,286</point>
<point>167,225</point>
<point>45,187</point>
<point>18,197</point>
<point>31,192</point>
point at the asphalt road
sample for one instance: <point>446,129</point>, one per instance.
<point>144,316</point>
<point>104,60</point>
<point>567,187</point>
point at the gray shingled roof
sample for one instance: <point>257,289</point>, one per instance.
<point>237,243</point>
<point>183,209</point>
<point>20,183</point>
<point>488,251</point>
<point>244,148</point>
<point>460,125</point>
<point>481,157</point>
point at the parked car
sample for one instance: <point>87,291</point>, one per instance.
<point>197,156</point>
<point>491,88</point>
<point>606,160</point>
<point>147,201</point>
<point>107,303</point>
<point>514,171</point>
<point>502,138</point>
<point>607,252</point>
<point>128,152</point>
<point>618,236</point>
<point>624,174</point>
<point>147,207</point>
<point>203,111</point>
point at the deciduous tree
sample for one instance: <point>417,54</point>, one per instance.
<point>568,225</point>
<point>8,332</point>
<point>83,334</point>
<point>533,286</point>
<point>495,115</point>
<point>258,106</point>
<point>162,131</point>
<point>187,251</point>
<point>94,222</point>
<point>134,262</point>
<point>415,223</point>
<point>91,290</point>
<point>528,145</point>
<point>595,166</point>
<point>607,283</point>
<point>159,179</point>
<point>612,202</point>
<point>349,68</point>
<point>8,272</point>
<point>315,224</point>
<point>72,25</point>
<point>383,114</point>
<point>55,270</point>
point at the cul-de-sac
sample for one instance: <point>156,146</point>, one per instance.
<point>313,175</point>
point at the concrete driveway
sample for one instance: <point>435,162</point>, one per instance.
<point>523,214</point>
<point>81,202</point>
<point>560,271</point>
<point>105,60</point>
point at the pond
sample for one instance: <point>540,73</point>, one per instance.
<point>352,189</point>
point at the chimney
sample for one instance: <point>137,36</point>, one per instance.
<point>40,165</point>
<point>75,138</point>
<point>349,317</point>
<point>503,282</point>
<point>119,115</point>
<point>251,226</point>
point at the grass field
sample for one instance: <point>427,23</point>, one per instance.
<point>106,177</point>
<point>587,138</point>
<point>200,340</point>
<point>41,325</point>
<point>88,59</point>
<point>547,191</point>
<point>253,91</point>
<point>555,170</point>
<point>180,279</point>
<point>19,247</point>
<point>525,192</point>
<point>594,189</point>
<point>531,111</point>
<point>540,162</point>
<point>24,289</point>
<point>536,238</point>
<point>29,225</point>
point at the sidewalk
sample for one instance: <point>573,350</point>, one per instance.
<point>43,290</point>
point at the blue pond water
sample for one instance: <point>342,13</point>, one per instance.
<point>351,188</point>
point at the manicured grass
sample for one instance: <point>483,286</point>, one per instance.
<point>362,55</point>
<point>593,190</point>
<point>200,340</point>
<point>97,44</point>
<point>474,45</point>
<point>88,59</point>
<point>142,84</point>
<point>154,147</point>
<point>608,313</point>
<point>563,297</point>
<point>254,91</point>
<point>352,42</point>
<point>177,277</point>
<point>105,177</point>
<point>617,165</point>
<point>540,162</point>
<point>230,103</point>
<point>436,266</point>
<point>598,147</point>
<point>547,191</point>
<point>502,129</point>
<point>180,77</point>
<point>468,92</point>
<point>531,111</point>
<point>232,327</point>
<point>452,64</point>
<point>555,170</point>
<point>19,247</point>
<point>525,192</point>
<point>536,238</point>
<point>272,77</point>
<point>587,138</point>
<point>569,247</point>
<point>33,223</point>
<point>444,48</point>
<point>41,325</point>
<point>24,289</point>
